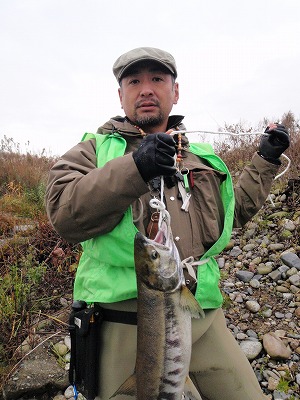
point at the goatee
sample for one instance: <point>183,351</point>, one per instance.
<point>149,121</point>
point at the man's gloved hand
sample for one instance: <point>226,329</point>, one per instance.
<point>155,156</point>
<point>274,143</point>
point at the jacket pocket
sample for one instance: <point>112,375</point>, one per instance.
<point>207,201</point>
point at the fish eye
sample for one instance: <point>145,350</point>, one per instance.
<point>154,255</point>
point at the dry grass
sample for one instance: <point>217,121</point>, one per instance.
<point>37,267</point>
<point>21,171</point>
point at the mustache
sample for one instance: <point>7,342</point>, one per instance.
<point>141,103</point>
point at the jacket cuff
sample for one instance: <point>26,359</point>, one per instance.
<point>275,161</point>
<point>263,165</point>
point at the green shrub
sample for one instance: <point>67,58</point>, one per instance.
<point>18,298</point>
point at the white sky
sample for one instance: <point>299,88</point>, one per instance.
<point>237,61</point>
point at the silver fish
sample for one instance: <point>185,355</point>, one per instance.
<point>164,310</point>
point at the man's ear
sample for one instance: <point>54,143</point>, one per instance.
<point>176,93</point>
<point>120,96</point>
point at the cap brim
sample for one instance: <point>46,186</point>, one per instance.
<point>125,70</point>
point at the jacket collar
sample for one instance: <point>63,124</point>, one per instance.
<point>122,125</point>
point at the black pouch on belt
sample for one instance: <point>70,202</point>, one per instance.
<point>84,326</point>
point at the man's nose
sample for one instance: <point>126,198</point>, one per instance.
<point>146,90</point>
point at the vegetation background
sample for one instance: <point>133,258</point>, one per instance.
<point>37,267</point>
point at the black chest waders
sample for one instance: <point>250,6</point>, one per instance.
<point>84,327</point>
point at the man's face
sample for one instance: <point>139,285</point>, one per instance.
<point>147,96</point>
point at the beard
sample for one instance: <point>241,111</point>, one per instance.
<point>150,121</point>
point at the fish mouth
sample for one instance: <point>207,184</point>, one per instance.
<point>163,236</point>
<point>163,239</point>
<point>159,240</point>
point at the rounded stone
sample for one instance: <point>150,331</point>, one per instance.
<point>251,348</point>
<point>252,306</point>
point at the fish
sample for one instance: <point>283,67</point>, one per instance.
<point>165,307</point>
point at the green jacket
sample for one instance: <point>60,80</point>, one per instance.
<point>106,271</point>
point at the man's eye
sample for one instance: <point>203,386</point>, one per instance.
<point>133,81</point>
<point>157,79</point>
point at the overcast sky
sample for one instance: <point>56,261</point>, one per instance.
<point>237,61</point>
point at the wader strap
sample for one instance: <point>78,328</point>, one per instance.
<point>189,263</point>
<point>121,317</point>
<point>189,272</point>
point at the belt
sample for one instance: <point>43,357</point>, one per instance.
<point>121,317</point>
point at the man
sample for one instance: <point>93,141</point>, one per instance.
<point>98,194</point>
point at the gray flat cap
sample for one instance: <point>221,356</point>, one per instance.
<point>141,54</point>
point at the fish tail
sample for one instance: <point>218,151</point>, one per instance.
<point>127,388</point>
<point>190,391</point>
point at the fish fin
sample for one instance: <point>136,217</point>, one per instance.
<point>189,303</point>
<point>127,388</point>
<point>190,390</point>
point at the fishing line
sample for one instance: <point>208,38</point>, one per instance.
<point>238,134</point>
<point>241,134</point>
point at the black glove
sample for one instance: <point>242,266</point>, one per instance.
<point>155,156</point>
<point>274,143</point>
